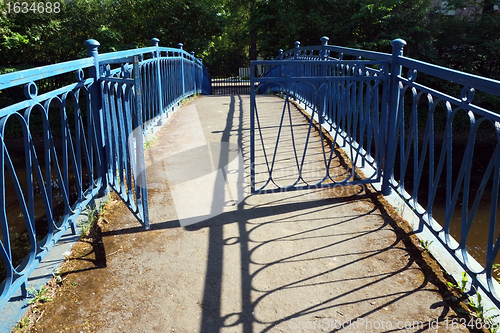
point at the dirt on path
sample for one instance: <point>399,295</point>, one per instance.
<point>220,260</point>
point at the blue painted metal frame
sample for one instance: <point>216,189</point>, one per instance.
<point>343,97</point>
<point>123,125</point>
<point>78,145</point>
<point>102,146</point>
<point>412,99</point>
<point>411,143</point>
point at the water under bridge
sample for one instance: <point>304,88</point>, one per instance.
<point>270,208</point>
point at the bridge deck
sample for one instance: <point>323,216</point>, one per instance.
<point>219,259</point>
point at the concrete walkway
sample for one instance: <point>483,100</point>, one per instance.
<point>220,260</point>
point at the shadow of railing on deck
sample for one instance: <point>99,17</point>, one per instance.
<point>440,151</point>
<point>260,292</point>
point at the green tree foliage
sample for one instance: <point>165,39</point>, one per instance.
<point>465,42</point>
<point>231,49</point>
<point>38,38</point>
<point>468,43</point>
<point>191,22</point>
<point>27,38</point>
<point>364,24</point>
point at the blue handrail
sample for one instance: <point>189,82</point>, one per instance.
<point>55,153</point>
<point>441,141</point>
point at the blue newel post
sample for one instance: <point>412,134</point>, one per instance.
<point>96,105</point>
<point>394,97</point>
<point>324,43</point>
<point>155,42</point>
<point>324,73</point>
<point>194,72</point>
<point>141,189</point>
<point>297,51</point>
<point>296,69</point>
<point>180,45</point>
<point>156,55</point>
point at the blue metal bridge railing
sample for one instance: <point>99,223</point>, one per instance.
<point>435,140</point>
<point>68,131</point>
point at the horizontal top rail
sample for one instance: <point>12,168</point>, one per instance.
<point>38,73</point>
<point>361,53</point>
<point>324,51</point>
<point>321,79</point>
<point>43,72</point>
<point>125,54</point>
<point>168,52</point>
<point>469,80</point>
<point>326,69</point>
<point>320,62</point>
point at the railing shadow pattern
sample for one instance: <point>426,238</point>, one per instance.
<point>440,146</point>
<point>326,250</point>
